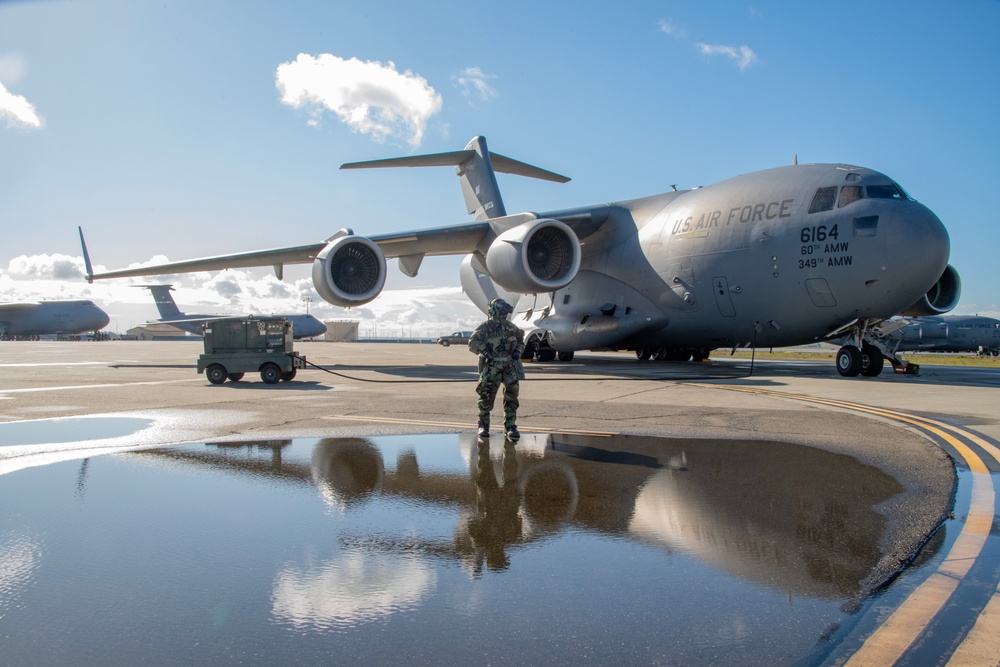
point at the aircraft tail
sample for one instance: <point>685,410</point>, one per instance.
<point>476,167</point>
<point>164,302</point>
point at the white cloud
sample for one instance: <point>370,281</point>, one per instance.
<point>18,110</point>
<point>743,55</point>
<point>370,97</point>
<point>46,267</point>
<point>670,28</point>
<point>473,80</point>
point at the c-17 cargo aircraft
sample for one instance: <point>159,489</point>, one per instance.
<point>945,333</point>
<point>31,319</point>
<point>784,256</point>
<point>303,326</point>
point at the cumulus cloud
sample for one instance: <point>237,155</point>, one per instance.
<point>475,83</point>
<point>18,110</point>
<point>46,267</point>
<point>743,55</point>
<point>369,96</point>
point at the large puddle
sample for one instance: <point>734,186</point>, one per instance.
<point>434,549</point>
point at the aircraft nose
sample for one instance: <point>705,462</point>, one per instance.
<point>100,318</point>
<point>918,242</point>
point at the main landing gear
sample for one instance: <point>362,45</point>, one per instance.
<point>866,350</point>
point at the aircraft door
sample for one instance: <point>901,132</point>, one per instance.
<point>723,298</point>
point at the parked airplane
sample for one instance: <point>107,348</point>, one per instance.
<point>41,318</point>
<point>303,326</point>
<point>947,333</point>
<point>779,257</point>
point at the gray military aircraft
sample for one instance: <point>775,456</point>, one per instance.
<point>303,326</point>
<point>779,257</point>
<point>32,319</point>
<point>946,333</point>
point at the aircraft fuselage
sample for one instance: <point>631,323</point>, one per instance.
<point>778,257</point>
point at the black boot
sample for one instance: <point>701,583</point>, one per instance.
<point>483,431</point>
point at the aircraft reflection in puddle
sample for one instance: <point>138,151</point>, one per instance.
<point>792,518</point>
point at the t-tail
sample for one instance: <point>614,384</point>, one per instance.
<point>476,167</point>
<point>164,302</point>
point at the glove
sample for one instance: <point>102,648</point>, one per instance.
<point>487,356</point>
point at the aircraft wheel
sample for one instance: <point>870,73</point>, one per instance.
<point>643,353</point>
<point>216,373</point>
<point>235,377</point>
<point>289,376</point>
<point>849,361</point>
<point>661,354</point>
<point>546,355</point>
<point>270,373</point>
<point>872,361</point>
<point>566,356</point>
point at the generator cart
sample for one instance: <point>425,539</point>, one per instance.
<point>238,345</point>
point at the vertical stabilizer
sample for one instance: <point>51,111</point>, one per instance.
<point>479,182</point>
<point>164,302</point>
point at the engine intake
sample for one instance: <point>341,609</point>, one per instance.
<point>349,271</point>
<point>537,256</point>
<point>940,298</point>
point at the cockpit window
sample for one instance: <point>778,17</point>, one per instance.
<point>823,200</point>
<point>889,191</point>
<point>849,194</point>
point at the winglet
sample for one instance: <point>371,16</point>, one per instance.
<point>86,258</point>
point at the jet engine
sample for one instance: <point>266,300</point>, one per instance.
<point>940,298</point>
<point>349,271</point>
<point>537,256</point>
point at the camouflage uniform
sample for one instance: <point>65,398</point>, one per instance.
<point>499,345</point>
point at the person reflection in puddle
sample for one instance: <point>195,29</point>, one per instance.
<point>497,522</point>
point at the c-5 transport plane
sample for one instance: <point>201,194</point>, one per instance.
<point>303,326</point>
<point>31,319</point>
<point>779,257</point>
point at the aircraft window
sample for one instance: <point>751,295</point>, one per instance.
<point>849,194</point>
<point>854,177</point>
<point>823,200</point>
<point>866,226</point>
<point>890,191</point>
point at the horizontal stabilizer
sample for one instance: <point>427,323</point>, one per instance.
<point>501,163</point>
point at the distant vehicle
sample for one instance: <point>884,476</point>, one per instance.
<point>32,319</point>
<point>303,326</point>
<point>457,338</point>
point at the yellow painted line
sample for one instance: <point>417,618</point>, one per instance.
<point>898,632</point>
<point>423,422</point>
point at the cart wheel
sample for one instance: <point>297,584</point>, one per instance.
<point>289,376</point>
<point>270,373</point>
<point>216,373</point>
<point>235,377</point>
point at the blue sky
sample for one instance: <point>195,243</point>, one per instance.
<point>183,129</point>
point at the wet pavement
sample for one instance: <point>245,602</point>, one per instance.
<point>418,549</point>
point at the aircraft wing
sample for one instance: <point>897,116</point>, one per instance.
<point>450,240</point>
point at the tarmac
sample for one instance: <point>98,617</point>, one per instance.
<point>373,389</point>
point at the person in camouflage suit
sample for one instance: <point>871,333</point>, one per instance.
<point>499,345</point>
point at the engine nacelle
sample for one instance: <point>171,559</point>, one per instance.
<point>940,298</point>
<point>537,256</point>
<point>349,271</point>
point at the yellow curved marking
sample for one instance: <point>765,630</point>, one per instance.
<point>890,640</point>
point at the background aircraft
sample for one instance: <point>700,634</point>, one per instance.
<point>779,257</point>
<point>947,333</point>
<point>303,326</point>
<point>42,318</point>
